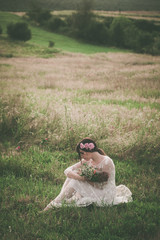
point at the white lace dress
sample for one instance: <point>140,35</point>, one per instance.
<point>82,193</point>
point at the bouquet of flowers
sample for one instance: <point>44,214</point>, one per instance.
<point>92,174</point>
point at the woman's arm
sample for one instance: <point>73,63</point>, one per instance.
<point>71,173</point>
<point>108,166</point>
<point>75,176</point>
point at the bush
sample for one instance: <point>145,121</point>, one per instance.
<point>123,32</point>
<point>97,32</point>
<point>19,31</point>
<point>131,37</point>
<point>145,25</point>
<point>156,46</point>
<point>108,21</point>
<point>39,15</point>
<point>145,42</point>
<point>51,44</point>
<point>1,30</point>
<point>56,23</point>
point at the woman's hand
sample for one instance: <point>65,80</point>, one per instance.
<point>75,175</point>
<point>81,178</point>
<point>79,171</point>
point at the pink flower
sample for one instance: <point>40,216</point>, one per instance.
<point>90,146</point>
<point>18,148</point>
<point>86,145</point>
<point>82,145</point>
<point>46,139</point>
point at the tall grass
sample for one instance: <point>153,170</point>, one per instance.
<point>71,100</point>
<point>30,181</point>
<point>46,107</point>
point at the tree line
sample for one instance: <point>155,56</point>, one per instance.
<point>105,5</point>
<point>140,36</point>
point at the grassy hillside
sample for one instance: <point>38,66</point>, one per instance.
<point>114,5</point>
<point>41,38</point>
<point>46,106</point>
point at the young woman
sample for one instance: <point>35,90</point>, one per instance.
<point>82,191</point>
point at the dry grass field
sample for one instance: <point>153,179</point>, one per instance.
<point>49,100</point>
<point>147,15</point>
<point>46,106</point>
<point>113,97</point>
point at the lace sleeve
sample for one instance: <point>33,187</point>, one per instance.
<point>72,168</point>
<point>108,165</point>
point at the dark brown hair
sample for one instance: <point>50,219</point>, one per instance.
<point>89,140</point>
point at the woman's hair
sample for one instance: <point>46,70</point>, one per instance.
<point>88,145</point>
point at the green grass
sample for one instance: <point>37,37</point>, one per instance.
<point>32,176</point>
<point>149,93</point>
<point>27,187</point>
<point>41,38</point>
<point>113,98</point>
<point>128,103</point>
<point>67,44</point>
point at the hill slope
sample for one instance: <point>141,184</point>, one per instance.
<point>41,38</point>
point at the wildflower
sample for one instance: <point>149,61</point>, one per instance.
<point>44,140</point>
<point>92,174</point>
<point>18,148</point>
<point>94,171</point>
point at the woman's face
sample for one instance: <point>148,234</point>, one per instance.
<point>85,155</point>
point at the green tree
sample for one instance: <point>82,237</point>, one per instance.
<point>83,16</point>
<point>19,31</point>
<point>55,23</point>
<point>1,30</point>
<point>97,32</point>
<point>124,33</point>
<point>145,25</point>
<point>156,46</point>
<point>38,14</point>
<point>145,42</point>
<point>108,21</point>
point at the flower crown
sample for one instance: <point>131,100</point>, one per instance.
<point>87,146</point>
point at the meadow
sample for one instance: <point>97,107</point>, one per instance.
<point>146,15</point>
<point>50,98</point>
